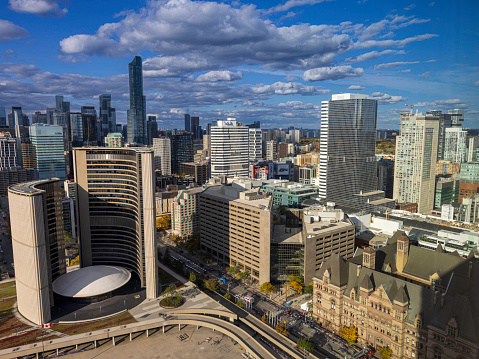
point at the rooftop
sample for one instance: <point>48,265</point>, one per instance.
<point>29,187</point>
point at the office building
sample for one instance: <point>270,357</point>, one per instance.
<point>181,150</point>
<point>417,302</point>
<point>76,128</point>
<point>38,248</point>
<point>469,180</point>
<point>151,129</point>
<point>300,250</point>
<point>473,149</point>
<point>107,118</point>
<point>386,176</point>
<point>255,146</point>
<point>162,153</point>
<point>17,117</point>
<point>309,175</point>
<point>447,191</point>
<point>187,123</point>
<point>415,162</point>
<point>185,213</point>
<point>470,171</point>
<point>235,228</point>
<point>47,145</point>
<point>114,139</point>
<point>116,202</point>
<point>270,150</point>
<point>229,149</point>
<point>289,194</point>
<point>3,117</point>
<point>200,171</point>
<point>195,124</point>
<point>348,146</point>
<point>136,115</point>
<point>89,126</point>
<point>39,117</point>
<point>455,147</point>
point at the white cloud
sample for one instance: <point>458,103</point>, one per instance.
<point>477,83</point>
<point>390,65</point>
<point>356,88</point>
<point>214,76</point>
<point>287,88</point>
<point>369,56</point>
<point>294,3</point>
<point>173,66</point>
<point>425,75</point>
<point>332,73</point>
<point>39,7</point>
<point>406,70</point>
<point>9,31</point>
<point>386,99</point>
<point>410,7</point>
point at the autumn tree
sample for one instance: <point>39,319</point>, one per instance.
<point>229,297</point>
<point>177,240</point>
<point>267,288</point>
<point>349,333</point>
<point>385,353</point>
<point>296,283</point>
<point>192,277</point>
<point>264,319</point>
<point>163,223</point>
<point>281,329</point>
<point>212,284</point>
<point>233,270</point>
<point>240,304</point>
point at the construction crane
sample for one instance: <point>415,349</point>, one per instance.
<point>411,107</point>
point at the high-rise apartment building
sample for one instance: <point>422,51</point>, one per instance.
<point>151,129</point>
<point>39,247</point>
<point>89,126</point>
<point>473,149</point>
<point>116,201</point>
<point>136,115</point>
<point>270,150</point>
<point>386,176</point>
<point>455,146</point>
<point>181,150</point>
<point>229,149</point>
<point>47,143</point>
<point>348,146</point>
<point>457,118</point>
<point>185,213</point>
<point>255,146</point>
<point>415,162</point>
<point>114,139</point>
<point>162,153</point>
<point>195,125</point>
<point>107,118</point>
<point>187,123</point>
<point>445,122</point>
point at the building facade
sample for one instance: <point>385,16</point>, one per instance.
<point>48,147</point>
<point>199,170</point>
<point>107,118</point>
<point>415,162</point>
<point>289,194</point>
<point>116,202</point>
<point>162,151</point>
<point>455,147</point>
<point>255,146</point>
<point>181,150</point>
<point>185,213</point>
<point>38,245</point>
<point>348,146</point>
<point>114,139</point>
<point>229,149</point>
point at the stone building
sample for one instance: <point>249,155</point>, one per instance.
<point>417,302</point>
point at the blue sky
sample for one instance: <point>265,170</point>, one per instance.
<point>269,61</point>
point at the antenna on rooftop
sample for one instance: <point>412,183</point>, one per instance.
<point>411,107</point>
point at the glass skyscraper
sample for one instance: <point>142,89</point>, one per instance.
<point>107,118</point>
<point>348,146</point>
<point>136,115</point>
<point>47,141</point>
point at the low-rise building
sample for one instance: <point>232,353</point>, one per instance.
<point>114,139</point>
<point>289,194</point>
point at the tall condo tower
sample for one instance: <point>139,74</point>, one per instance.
<point>348,146</point>
<point>229,149</point>
<point>107,120</point>
<point>136,115</point>
<point>116,206</point>
<point>416,157</point>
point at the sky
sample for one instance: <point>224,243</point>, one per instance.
<point>272,61</point>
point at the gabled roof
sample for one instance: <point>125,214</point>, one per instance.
<point>401,296</point>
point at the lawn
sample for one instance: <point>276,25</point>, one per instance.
<point>72,329</point>
<point>8,292</point>
<point>7,284</point>
<point>30,337</point>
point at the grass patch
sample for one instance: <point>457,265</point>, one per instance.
<point>72,329</point>
<point>6,306</point>
<point>166,278</point>
<point>30,337</point>
<point>8,292</point>
<point>7,284</point>
<point>10,325</point>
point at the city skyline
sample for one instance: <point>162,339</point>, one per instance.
<point>269,62</point>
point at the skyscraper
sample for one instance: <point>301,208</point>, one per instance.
<point>3,117</point>
<point>181,150</point>
<point>348,146</point>
<point>472,149</point>
<point>445,122</point>
<point>116,202</point>
<point>415,162</point>
<point>455,148</point>
<point>47,143</point>
<point>107,119</point>
<point>162,152</point>
<point>229,149</point>
<point>195,123</point>
<point>136,115</point>
<point>17,117</point>
<point>39,247</point>
<point>255,145</point>
<point>89,125</point>
<point>151,129</point>
<point>457,118</point>
<point>38,117</point>
<point>76,128</point>
<point>187,123</point>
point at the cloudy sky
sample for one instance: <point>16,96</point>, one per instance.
<point>270,61</point>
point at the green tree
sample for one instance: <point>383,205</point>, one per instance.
<point>240,304</point>
<point>233,270</point>
<point>212,284</point>
<point>267,288</point>
<point>243,276</point>
<point>385,353</point>
<point>309,289</point>
<point>305,344</point>
<point>68,239</point>
<point>229,297</point>
<point>192,277</point>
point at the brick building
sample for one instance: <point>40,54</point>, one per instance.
<point>417,302</point>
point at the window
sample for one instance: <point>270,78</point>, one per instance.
<point>451,331</point>
<point>333,304</point>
